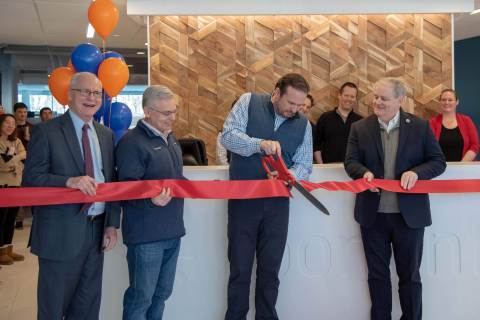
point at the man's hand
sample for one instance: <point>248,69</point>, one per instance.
<point>369,177</point>
<point>163,198</point>
<point>272,175</point>
<point>109,239</point>
<point>408,180</point>
<point>86,184</point>
<point>271,147</point>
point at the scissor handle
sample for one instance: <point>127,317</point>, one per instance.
<point>269,162</point>
<point>267,165</point>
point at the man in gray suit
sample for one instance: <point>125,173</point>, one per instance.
<point>72,151</point>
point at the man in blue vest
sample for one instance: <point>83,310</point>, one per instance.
<point>263,124</point>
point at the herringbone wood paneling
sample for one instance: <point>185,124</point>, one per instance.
<point>208,61</point>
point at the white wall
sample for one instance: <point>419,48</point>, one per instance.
<point>323,268</point>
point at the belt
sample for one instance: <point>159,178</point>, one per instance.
<point>97,217</point>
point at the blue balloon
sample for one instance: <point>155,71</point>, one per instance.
<point>112,54</point>
<point>98,115</point>
<point>106,102</point>
<point>119,134</point>
<point>118,116</point>
<point>86,57</point>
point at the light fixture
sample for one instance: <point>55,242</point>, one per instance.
<point>146,43</point>
<point>140,52</point>
<point>90,31</point>
<point>130,65</point>
<point>475,11</point>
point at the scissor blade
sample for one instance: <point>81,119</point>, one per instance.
<point>310,197</point>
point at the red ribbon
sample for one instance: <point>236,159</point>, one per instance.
<point>224,189</point>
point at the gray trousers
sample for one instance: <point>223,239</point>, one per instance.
<point>72,289</point>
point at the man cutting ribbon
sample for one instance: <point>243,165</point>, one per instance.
<point>263,124</point>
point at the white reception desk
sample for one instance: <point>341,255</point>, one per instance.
<point>323,274</point>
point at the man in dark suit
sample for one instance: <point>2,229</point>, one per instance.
<point>75,152</point>
<point>393,144</point>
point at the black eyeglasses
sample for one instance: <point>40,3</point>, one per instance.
<point>165,113</point>
<point>86,93</point>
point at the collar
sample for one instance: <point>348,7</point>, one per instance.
<point>78,122</point>
<point>341,115</point>
<point>155,131</point>
<point>392,124</point>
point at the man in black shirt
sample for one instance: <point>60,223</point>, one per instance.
<point>333,127</point>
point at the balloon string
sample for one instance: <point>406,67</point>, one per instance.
<point>110,113</point>
<point>109,110</point>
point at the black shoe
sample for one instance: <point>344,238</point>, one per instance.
<point>19,225</point>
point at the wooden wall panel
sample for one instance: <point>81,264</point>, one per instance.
<point>209,61</point>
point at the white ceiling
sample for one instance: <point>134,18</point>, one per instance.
<point>467,25</point>
<point>64,23</point>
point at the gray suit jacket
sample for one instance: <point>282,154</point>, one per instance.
<point>418,151</point>
<point>54,155</point>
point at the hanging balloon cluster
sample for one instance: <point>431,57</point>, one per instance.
<point>109,66</point>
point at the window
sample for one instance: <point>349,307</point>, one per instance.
<point>38,96</point>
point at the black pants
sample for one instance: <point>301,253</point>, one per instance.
<point>73,289</point>
<point>261,226</point>
<point>390,231</point>
<point>7,224</point>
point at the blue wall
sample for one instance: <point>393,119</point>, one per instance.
<point>467,77</point>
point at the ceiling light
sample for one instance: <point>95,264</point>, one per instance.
<point>146,43</point>
<point>140,52</point>
<point>90,31</point>
<point>475,11</point>
<point>115,35</point>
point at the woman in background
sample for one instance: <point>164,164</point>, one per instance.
<point>456,133</point>
<point>12,153</point>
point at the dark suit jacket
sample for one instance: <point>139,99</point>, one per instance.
<point>417,151</point>
<point>54,155</point>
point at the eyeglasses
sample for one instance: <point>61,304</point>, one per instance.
<point>165,113</point>
<point>86,93</point>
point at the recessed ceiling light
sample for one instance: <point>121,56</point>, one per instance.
<point>140,52</point>
<point>475,11</point>
<point>90,31</point>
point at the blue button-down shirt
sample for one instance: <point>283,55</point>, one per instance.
<point>97,207</point>
<point>235,139</point>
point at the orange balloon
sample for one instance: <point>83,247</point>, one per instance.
<point>103,15</point>
<point>59,83</point>
<point>114,74</point>
<point>70,65</point>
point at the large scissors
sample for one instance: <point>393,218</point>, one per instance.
<point>270,164</point>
